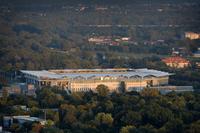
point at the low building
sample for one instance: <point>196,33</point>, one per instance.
<point>20,88</point>
<point>12,90</point>
<point>181,51</point>
<point>176,62</point>
<point>197,54</point>
<point>108,40</point>
<point>9,120</point>
<point>125,38</point>
<point>100,40</point>
<point>76,80</point>
<point>192,35</point>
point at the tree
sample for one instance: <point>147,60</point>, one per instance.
<point>67,114</point>
<point>102,90</point>
<point>174,126</point>
<point>194,127</point>
<point>127,129</point>
<point>4,96</point>
<point>49,98</point>
<point>109,105</point>
<point>122,87</point>
<point>15,127</point>
<point>35,111</point>
<point>49,123</point>
<point>132,118</point>
<point>70,118</point>
<point>147,129</point>
<point>104,119</point>
<point>178,103</point>
<point>156,115</point>
<point>149,92</point>
<point>52,130</point>
<point>36,128</point>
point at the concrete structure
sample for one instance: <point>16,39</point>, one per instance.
<point>9,120</point>
<point>20,88</point>
<point>192,35</point>
<point>76,80</point>
<point>176,62</point>
<point>177,89</point>
<point>12,90</point>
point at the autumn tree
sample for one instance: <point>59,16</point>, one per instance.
<point>36,128</point>
<point>67,114</point>
<point>104,119</point>
<point>102,90</point>
<point>4,96</point>
<point>149,92</point>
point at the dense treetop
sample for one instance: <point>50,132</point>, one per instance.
<point>118,112</point>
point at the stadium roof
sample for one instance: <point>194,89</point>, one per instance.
<point>86,73</point>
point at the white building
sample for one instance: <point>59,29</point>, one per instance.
<point>75,80</point>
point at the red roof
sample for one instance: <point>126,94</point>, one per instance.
<point>176,59</point>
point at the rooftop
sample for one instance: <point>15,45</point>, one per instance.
<point>28,118</point>
<point>25,118</point>
<point>176,59</point>
<point>87,73</point>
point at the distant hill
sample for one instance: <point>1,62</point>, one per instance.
<point>54,33</point>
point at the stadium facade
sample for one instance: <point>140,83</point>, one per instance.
<point>80,80</point>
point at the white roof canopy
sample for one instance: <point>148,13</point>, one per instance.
<point>87,73</point>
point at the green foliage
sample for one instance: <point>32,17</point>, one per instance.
<point>132,118</point>
<point>147,129</point>
<point>49,123</point>
<point>149,92</point>
<point>127,112</point>
<point>127,129</point>
<point>4,97</point>
<point>68,114</point>
<point>52,130</point>
<point>35,111</point>
<point>174,126</point>
<point>156,115</point>
<point>194,127</point>
<point>104,119</point>
<point>49,98</point>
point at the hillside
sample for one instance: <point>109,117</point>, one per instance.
<point>41,34</point>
